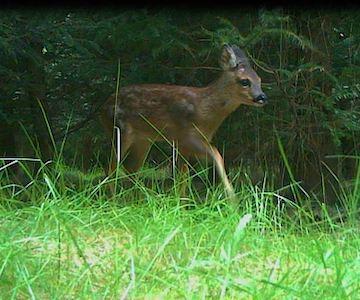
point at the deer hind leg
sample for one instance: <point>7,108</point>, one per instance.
<point>123,143</point>
<point>133,155</point>
<point>136,155</point>
<point>134,159</point>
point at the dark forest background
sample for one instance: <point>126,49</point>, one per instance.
<point>64,63</point>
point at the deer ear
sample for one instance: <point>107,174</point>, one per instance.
<point>227,58</point>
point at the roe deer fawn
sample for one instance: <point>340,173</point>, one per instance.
<point>188,116</point>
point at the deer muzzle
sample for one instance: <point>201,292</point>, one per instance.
<point>261,99</point>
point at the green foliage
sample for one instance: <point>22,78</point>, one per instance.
<point>308,63</point>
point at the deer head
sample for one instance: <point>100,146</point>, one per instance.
<point>242,82</point>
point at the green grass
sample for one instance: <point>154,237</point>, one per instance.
<point>65,241</point>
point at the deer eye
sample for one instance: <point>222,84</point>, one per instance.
<point>245,82</point>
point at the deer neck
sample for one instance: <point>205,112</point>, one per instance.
<point>220,98</point>
<point>218,102</point>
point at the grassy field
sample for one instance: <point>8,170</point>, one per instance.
<point>64,241</point>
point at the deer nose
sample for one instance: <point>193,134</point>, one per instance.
<point>262,98</point>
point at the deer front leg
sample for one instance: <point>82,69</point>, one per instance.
<point>198,147</point>
<point>184,177</point>
<point>220,167</point>
<point>180,164</point>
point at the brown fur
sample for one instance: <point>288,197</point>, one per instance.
<point>189,116</point>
